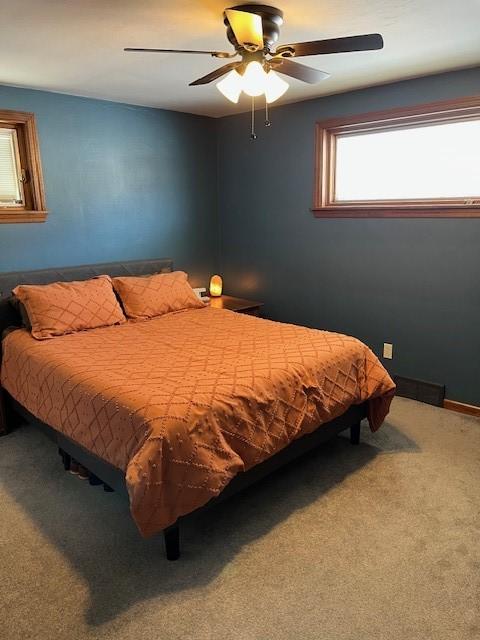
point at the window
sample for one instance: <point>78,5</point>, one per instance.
<point>423,161</point>
<point>22,197</point>
<point>11,191</point>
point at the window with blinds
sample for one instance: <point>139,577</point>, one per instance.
<point>11,192</point>
<point>22,196</point>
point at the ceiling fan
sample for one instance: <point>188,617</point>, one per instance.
<point>253,30</point>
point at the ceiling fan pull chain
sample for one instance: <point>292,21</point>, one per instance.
<point>253,135</point>
<point>267,119</point>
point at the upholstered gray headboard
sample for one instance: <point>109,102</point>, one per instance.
<point>8,281</point>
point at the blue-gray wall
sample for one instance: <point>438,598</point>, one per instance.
<point>122,182</point>
<point>415,283</point>
<point>126,182</point>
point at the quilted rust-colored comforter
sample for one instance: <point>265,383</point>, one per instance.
<point>185,401</point>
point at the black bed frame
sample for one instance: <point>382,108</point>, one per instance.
<point>11,412</point>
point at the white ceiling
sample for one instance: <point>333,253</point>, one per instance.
<point>75,46</point>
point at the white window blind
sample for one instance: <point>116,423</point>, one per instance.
<point>10,185</point>
<point>434,161</point>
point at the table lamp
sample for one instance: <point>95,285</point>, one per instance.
<point>216,286</point>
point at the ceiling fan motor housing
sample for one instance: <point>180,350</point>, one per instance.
<point>272,20</point>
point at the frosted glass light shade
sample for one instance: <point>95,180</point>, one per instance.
<point>253,79</point>
<point>275,87</point>
<point>254,82</point>
<point>216,286</point>
<point>231,86</point>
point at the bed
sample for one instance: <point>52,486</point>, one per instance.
<point>186,409</point>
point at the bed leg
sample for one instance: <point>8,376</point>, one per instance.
<point>171,536</point>
<point>355,433</point>
<point>66,459</point>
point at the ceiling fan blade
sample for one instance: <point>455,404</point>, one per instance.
<point>366,42</point>
<point>218,73</point>
<point>298,71</point>
<point>247,28</point>
<point>215,54</point>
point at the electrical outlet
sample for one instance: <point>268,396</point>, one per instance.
<point>388,350</point>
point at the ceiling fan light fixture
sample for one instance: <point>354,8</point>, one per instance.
<point>231,86</point>
<point>254,78</point>
<point>253,30</point>
<point>275,87</point>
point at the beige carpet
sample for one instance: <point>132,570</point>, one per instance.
<point>380,541</point>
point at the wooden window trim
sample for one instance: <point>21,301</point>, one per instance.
<point>35,207</point>
<point>325,143</point>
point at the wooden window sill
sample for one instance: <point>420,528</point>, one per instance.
<point>12,217</point>
<point>396,212</point>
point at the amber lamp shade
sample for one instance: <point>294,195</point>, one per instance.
<point>216,286</point>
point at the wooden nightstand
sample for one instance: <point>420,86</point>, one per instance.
<point>240,305</point>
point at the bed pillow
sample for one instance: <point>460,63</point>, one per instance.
<point>65,307</point>
<point>149,296</point>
